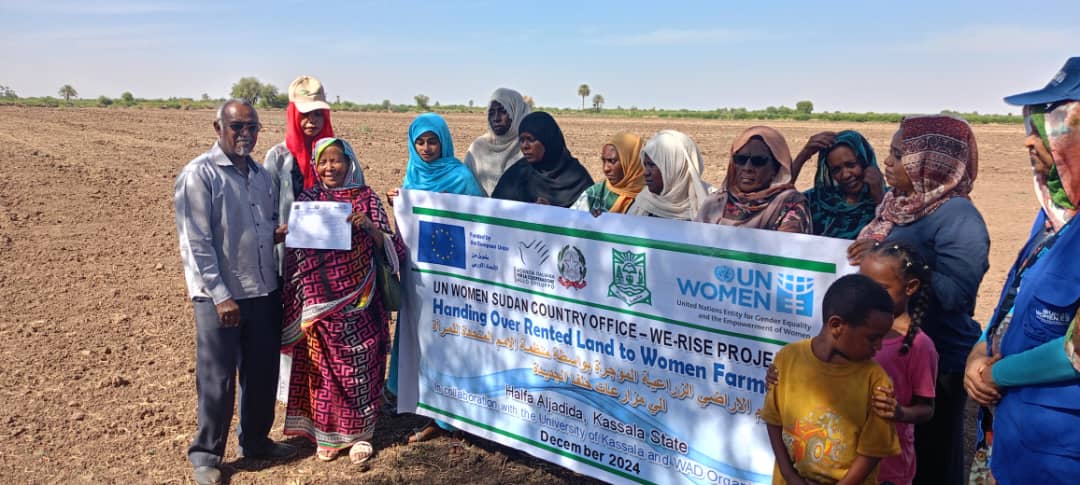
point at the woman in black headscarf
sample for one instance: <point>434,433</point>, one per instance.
<point>548,173</point>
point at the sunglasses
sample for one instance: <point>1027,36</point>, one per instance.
<point>250,127</point>
<point>755,160</point>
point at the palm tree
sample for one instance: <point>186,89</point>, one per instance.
<point>597,101</point>
<point>67,92</point>
<point>583,91</point>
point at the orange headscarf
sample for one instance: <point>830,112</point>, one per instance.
<point>628,145</point>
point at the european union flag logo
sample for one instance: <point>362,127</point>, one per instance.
<point>442,244</point>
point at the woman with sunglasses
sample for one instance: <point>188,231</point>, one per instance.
<point>758,190</point>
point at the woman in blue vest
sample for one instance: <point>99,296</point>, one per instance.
<point>1034,386</point>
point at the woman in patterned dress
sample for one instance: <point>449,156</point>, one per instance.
<point>336,326</point>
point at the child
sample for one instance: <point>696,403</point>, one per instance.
<point>907,354</point>
<point>820,425</point>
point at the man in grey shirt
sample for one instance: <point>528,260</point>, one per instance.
<point>226,213</point>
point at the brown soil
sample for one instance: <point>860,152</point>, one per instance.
<point>98,333</point>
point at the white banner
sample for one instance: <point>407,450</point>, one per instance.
<point>630,349</point>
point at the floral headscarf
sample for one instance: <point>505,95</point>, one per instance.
<point>941,158</point>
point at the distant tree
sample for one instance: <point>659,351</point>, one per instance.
<point>470,103</point>
<point>805,107</point>
<point>127,98</point>
<point>422,101</point>
<point>205,97</point>
<point>67,92</point>
<point>104,101</point>
<point>247,88</point>
<point>7,92</point>
<point>583,91</point>
<point>386,105</point>
<point>268,96</point>
<point>436,104</point>
<point>598,102</point>
<point>530,102</point>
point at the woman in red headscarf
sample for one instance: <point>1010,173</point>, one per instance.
<point>289,162</point>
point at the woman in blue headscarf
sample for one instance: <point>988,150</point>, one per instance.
<point>848,186</point>
<point>432,167</point>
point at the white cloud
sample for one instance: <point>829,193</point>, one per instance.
<point>102,8</point>
<point>677,36</point>
<point>994,39</point>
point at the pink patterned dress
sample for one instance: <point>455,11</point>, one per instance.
<point>337,330</point>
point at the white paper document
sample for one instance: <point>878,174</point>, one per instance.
<point>319,225</point>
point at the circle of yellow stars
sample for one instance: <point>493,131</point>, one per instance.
<point>435,247</point>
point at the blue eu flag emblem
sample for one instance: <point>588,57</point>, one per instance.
<point>442,244</point>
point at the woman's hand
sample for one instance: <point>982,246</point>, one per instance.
<point>390,194</point>
<point>885,405</point>
<point>359,220</point>
<point>772,377</point>
<point>280,232</point>
<point>983,392</point>
<point>858,249</point>
<point>595,212</point>
<point>542,201</point>
<point>814,145</point>
<point>874,180</point>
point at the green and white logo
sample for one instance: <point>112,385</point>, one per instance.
<point>628,278</point>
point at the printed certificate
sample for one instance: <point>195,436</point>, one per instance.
<point>319,225</point>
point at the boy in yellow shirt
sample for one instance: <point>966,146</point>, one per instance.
<point>819,416</point>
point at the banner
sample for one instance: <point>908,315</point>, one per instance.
<point>626,348</point>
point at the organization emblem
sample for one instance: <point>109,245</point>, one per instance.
<point>442,244</point>
<point>628,282</point>
<point>795,294</point>
<point>572,268</point>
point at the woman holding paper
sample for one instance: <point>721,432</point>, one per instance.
<point>335,322</point>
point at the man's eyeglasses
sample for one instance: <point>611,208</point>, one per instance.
<point>755,160</point>
<point>250,127</point>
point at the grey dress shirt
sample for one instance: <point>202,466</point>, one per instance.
<point>225,221</point>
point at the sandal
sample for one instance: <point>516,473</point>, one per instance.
<point>427,433</point>
<point>326,454</point>
<point>360,452</point>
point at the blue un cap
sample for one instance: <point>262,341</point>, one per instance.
<point>1064,86</point>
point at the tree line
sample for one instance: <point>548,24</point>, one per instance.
<point>266,95</point>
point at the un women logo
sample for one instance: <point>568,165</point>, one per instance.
<point>725,274</point>
<point>795,294</point>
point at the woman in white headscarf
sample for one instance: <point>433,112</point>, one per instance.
<point>673,168</point>
<point>493,152</point>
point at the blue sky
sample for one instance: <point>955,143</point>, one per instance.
<point>911,57</point>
